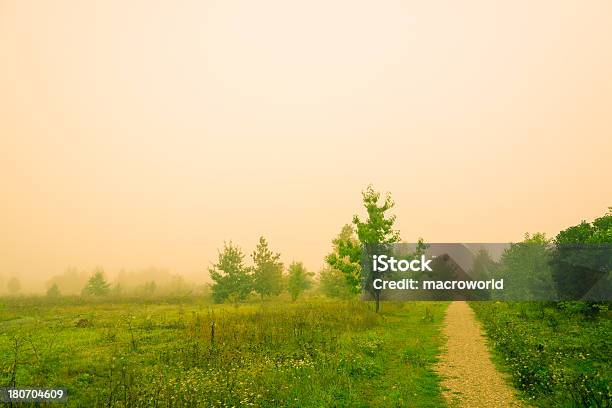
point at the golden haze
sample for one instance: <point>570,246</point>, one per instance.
<point>147,133</point>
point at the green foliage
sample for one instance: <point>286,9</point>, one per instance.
<point>96,285</point>
<point>557,356</point>
<point>231,278</point>
<point>378,228</point>
<point>582,259</point>
<point>527,265</point>
<point>375,233</point>
<point>597,232</point>
<point>299,279</point>
<point>346,258</point>
<point>267,270</point>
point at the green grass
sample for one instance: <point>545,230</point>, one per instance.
<point>557,355</point>
<point>308,354</point>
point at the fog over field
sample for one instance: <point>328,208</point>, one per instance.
<point>238,203</point>
<point>143,135</point>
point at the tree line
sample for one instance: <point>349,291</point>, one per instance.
<point>234,280</point>
<point>342,277</point>
<point>575,264</point>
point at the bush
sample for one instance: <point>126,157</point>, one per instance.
<point>582,260</point>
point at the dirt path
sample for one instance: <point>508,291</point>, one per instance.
<point>467,372</point>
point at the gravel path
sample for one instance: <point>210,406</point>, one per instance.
<point>468,375</point>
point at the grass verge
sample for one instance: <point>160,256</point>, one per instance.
<point>307,354</point>
<point>556,355</point>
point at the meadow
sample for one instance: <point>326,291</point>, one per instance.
<point>187,352</point>
<point>557,353</point>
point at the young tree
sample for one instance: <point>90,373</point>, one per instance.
<point>230,276</point>
<point>13,286</point>
<point>346,258</point>
<point>96,285</point>
<point>53,291</point>
<point>267,271</point>
<point>299,279</point>
<point>376,233</point>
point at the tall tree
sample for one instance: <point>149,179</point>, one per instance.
<point>96,285</point>
<point>232,279</point>
<point>376,233</point>
<point>267,271</point>
<point>299,279</point>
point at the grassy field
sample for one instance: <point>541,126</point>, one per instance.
<point>556,354</point>
<point>314,353</point>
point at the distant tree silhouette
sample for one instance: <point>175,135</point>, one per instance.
<point>299,279</point>
<point>149,288</point>
<point>96,285</point>
<point>53,291</point>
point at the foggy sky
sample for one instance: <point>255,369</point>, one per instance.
<point>148,132</point>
